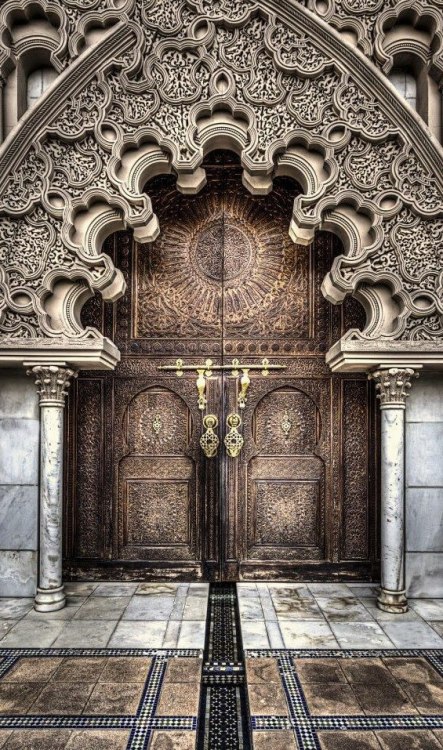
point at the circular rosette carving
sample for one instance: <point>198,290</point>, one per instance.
<point>223,251</point>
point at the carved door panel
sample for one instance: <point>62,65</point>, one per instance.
<point>285,484</point>
<point>223,281</point>
<point>157,479</point>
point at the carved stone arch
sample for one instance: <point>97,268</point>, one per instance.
<point>422,33</point>
<point>271,81</point>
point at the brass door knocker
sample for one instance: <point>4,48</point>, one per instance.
<point>233,440</point>
<point>209,440</point>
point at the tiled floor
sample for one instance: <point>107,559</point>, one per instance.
<point>115,615</point>
<point>325,616</point>
<point>99,700</point>
<point>326,670</point>
<point>346,700</point>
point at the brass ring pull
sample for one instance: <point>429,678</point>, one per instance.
<point>209,440</point>
<point>233,440</point>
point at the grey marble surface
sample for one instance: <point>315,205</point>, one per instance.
<point>18,395</point>
<point>424,465</point>
<point>18,517</point>
<point>18,572</point>
<point>425,402</point>
<point>424,519</point>
<point>277,615</point>
<point>345,616</point>
<point>424,574</point>
<point>392,503</point>
<point>112,614</point>
<point>19,440</point>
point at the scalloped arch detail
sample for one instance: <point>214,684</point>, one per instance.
<point>167,84</point>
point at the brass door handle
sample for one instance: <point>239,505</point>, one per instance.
<point>233,439</point>
<point>209,440</point>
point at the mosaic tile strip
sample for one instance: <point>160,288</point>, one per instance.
<point>298,710</point>
<point>223,716</point>
<point>353,723</point>
<point>171,652</point>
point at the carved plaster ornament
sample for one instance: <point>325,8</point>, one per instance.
<point>167,84</point>
<point>52,383</point>
<point>393,385</point>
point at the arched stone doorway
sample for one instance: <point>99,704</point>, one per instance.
<point>223,281</point>
<point>154,94</point>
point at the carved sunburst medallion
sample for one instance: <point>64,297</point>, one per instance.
<point>222,267</point>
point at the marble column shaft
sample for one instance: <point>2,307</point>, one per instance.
<point>52,382</point>
<point>393,385</point>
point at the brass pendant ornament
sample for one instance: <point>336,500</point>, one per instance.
<point>209,440</point>
<point>233,439</point>
<point>157,424</point>
<point>286,424</point>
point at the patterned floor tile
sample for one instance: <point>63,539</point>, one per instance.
<point>279,740</point>
<point>85,634</point>
<point>172,741</point>
<point>386,699</point>
<point>99,699</point>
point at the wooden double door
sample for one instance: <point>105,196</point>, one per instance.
<point>223,282</point>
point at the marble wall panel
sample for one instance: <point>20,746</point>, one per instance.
<point>18,396</point>
<point>424,519</point>
<point>425,402</point>
<point>18,516</point>
<point>18,454</point>
<point>18,572</point>
<point>424,450</point>
<point>424,575</point>
<point>19,472</point>
<point>424,488</point>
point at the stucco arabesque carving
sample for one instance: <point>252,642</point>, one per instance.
<point>167,84</point>
<point>368,25</point>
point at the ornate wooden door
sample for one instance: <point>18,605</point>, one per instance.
<point>223,281</point>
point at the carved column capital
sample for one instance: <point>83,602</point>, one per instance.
<point>393,385</point>
<point>52,383</point>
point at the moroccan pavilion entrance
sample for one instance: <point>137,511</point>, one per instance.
<point>222,282</point>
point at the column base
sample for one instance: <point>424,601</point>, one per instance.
<point>49,600</point>
<point>394,602</point>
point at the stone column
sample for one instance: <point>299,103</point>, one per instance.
<point>392,385</point>
<point>52,383</point>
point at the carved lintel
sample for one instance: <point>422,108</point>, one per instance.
<point>52,383</point>
<point>393,385</point>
